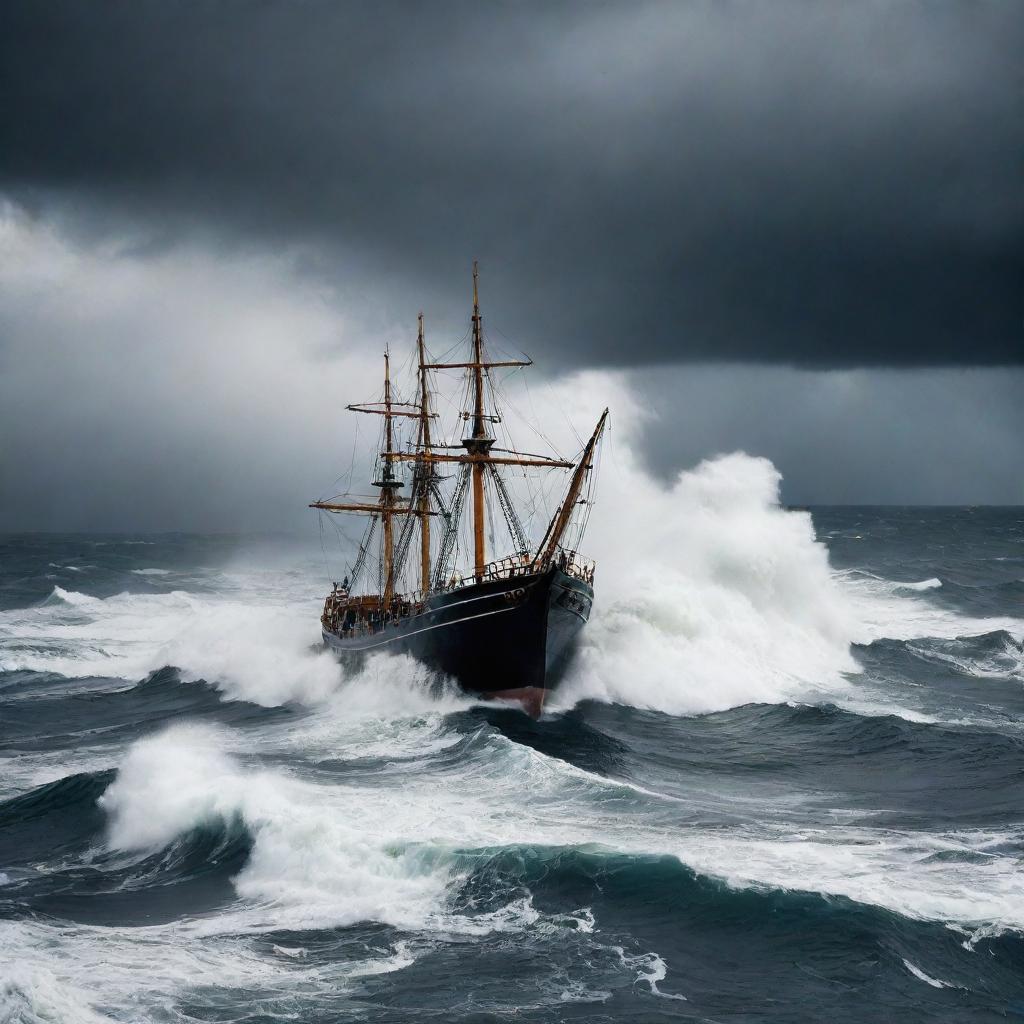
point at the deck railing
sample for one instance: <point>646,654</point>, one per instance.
<point>359,616</point>
<point>512,566</point>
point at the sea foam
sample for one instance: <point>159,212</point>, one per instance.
<point>710,595</point>
<point>314,857</point>
<point>329,853</point>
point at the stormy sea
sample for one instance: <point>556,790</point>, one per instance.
<point>783,781</point>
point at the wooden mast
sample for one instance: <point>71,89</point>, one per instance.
<point>557,527</point>
<point>479,443</point>
<point>387,485</point>
<point>479,452</point>
<point>387,506</point>
<point>426,468</point>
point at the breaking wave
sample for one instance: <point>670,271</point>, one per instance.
<point>929,584</point>
<point>326,855</point>
<point>712,596</point>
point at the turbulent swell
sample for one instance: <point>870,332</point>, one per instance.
<point>710,595</point>
<point>808,754</point>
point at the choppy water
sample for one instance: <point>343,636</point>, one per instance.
<point>777,788</point>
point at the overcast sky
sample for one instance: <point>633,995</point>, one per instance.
<point>792,228</point>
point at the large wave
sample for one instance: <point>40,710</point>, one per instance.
<point>261,651</point>
<point>334,853</point>
<point>711,594</point>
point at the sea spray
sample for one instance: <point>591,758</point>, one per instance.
<point>259,651</point>
<point>710,595</point>
<point>264,651</point>
<point>262,654</point>
<point>168,784</point>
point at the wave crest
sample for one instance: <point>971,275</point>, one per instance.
<point>713,595</point>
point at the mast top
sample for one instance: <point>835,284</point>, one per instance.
<point>478,361</point>
<point>478,442</point>
<point>388,481</point>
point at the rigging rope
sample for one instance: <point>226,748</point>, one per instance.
<point>515,527</point>
<point>435,490</point>
<point>323,547</point>
<point>405,537</point>
<point>364,549</point>
<point>451,533</point>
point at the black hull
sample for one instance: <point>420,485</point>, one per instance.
<point>504,639</point>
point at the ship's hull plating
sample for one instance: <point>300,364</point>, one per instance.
<point>507,639</point>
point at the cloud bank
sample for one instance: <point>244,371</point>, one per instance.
<point>820,185</point>
<point>190,391</point>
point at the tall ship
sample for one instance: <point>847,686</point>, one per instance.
<point>503,627</point>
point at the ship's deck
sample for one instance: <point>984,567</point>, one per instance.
<point>349,615</point>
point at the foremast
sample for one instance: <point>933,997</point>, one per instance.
<point>388,504</point>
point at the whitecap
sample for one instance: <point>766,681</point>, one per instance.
<point>929,584</point>
<point>921,976</point>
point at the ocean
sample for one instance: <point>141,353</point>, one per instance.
<point>784,782</point>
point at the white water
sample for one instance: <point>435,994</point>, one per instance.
<point>887,609</point>
<point>928,584</point>
<point>714,596</point>
<point>336,853</point>
<point>710,596</point>
<point>744,608</point>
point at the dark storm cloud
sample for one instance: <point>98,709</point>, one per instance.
<point>202,389</point>
<point>818,184</point>
<point>948,436</point>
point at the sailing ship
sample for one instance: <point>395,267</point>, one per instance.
<point>504,628</point>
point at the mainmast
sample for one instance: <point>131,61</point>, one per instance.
<point>478,444</point>
<point>426,468</point>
